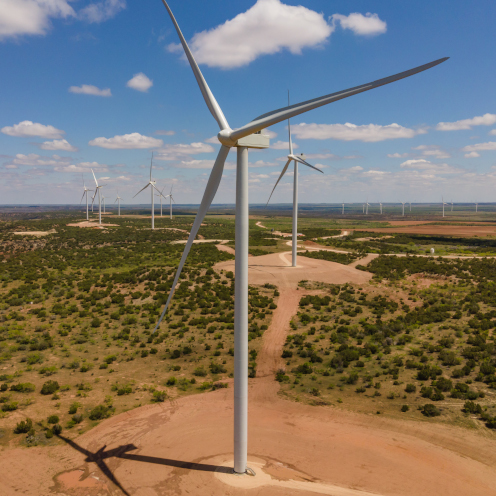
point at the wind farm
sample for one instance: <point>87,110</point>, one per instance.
<point>272,333</point>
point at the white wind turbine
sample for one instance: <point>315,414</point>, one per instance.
<point>452,205</point>
<point>367,205</point>
<point>342,213</point>
<point>86,190</point>
<point>103,199</point>
<point>403,204</point>
<point>380,206</point>
<point>476,207</point>
<point>150,183</point>
<point>410,206</point>
<point>295,159</point>
<point>118,201</point>
<point>160,194</point>
<point>171,199</point>
<point>97,190</point>
<point>442,199</point>
<point>244,137</point>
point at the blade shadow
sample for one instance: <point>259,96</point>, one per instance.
<point>122,452</point>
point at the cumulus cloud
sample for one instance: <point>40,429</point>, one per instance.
<point>88,89</point>
<point>62,144</point>
<point>82,167</point>
<point>422,164</point>
<point>266,28</point>
<point>102,11</point>
<point>35,160</point>
<point>30,17</point>
<point>472,155</point>
<point>271,134</point>
<point>175,151</point>
<point>140,82</point>
<point>432,151</point>
<point>397,155</point>
<point>364,25</point>
<point>483,120</point>
<point>127,142</point>
<point>349,132</point>
<point>282,145</point>
<point>164,132</point>
<point>28,129</point>
<point>202,164</point>
<point>480,147</point>
<point>492,132</point>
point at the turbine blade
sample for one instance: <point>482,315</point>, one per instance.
<point>280,177</point>
<point>270,118</point>
<point>298,159</point>
<point>209,98</point>
<point>94,177</point>
<point>141,190</point>
<point>289,133</point>
<point>82,198</point>
<point>208,196</point>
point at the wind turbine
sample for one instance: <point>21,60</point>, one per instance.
<point>367,205</point>
<point>476,207</point>
<point>410,206</point>
<point>118,200</point>
<point>161,195</point>
<point>403,203</point>
<point>152,184</point>
<point>171,199</point>
<point>342,213</point>
<point>296,159</point>
<point>245,137</point>
<point>104,211</point>
<point>442,199</point>
<point>380,206</point>
<point>97,190</point>
<point>452,205</point>
<point>86,190</point>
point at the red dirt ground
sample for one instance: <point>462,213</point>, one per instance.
<point>450,230</point>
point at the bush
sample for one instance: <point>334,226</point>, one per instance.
<point>23,387</point>
<point>471,407</point>
<point>200,372</point>
<point>410,388</point>
<point>78,418</point>
<point>24,426</point>
<point>124,390</point>
<point>304,368</point>
<point>405,408</point>
<point>101,412</point>
<point>10,407</point>
<point>159,396</point>
<point>57,429</point>
<point>171,381</point>
<point>50,387</point>
<point>53,419</point>
<point>429,410</point>
<point>216,368</point>
<point>74,408</point>
<point>49,434</point>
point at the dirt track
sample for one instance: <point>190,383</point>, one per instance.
<point>446,230</point>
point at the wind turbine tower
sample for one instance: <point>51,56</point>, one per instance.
<point>476,207</point>
<point>85,192</point>
<point>342,213</point>
<point>97,190</point>
<point>171,199</point>
<point>442,199</point>
<point>381,207</point>
<point>367,205</point>
<point>245,137</point>
<point>118,200</point>
<point>403,204</point>
<point>150,183</point>
<point>296,159</point>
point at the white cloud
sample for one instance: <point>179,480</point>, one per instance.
<point>355,169</point>
<point>102,11</point>
<point>492,132</point>
<point>202,164</point>
<point>173,151</point>
<point>364,25</point>
<point>163,132</point>
<point>480,147</point>
<point>82,167</point>
<point>322,156</point>
<point>140,82</point>
<point>214,140</point>
<point>30,17</point>
<point>262,163</point>
<point>483,120</point>
<point>35,160</point>
<point>127,142</point>
<point>271,134</point>
<point>282,145</point>
<point>266,28</point>
<point>432,151</point>
<point>426,166</point>
<point>472,155</point>
<point>88,89</point>
<point>28,129</point>
<point>62,144</point>
<point>397,155</point>
<point>349,132</point>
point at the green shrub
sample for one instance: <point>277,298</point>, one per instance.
<point>53,419</point>
<point>10,407</point>
<point>405,408</point>
<point>49,433</point>
<point>57,429</point>
<point>77,418</point>
<point>50,387</point>
<point>74,408</point>
<point>24,426</point>
<point>171,381</point>
<point>23,387</point>
<point>216,368</point>
<point>101,412</point>
<point>430,410</point>
<point>124,390</point>
<point>200,372</point>
<point>410,388</point>
<point>159,396</point>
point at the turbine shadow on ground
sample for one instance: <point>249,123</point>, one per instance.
<point>122,452</point>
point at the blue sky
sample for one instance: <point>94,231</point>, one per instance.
<point>102,84</point>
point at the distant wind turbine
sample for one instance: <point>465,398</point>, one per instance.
<point>410,206</point>
<point>381,207</point>
<point>160,194</point>
<point>245,137</point>
<point>442,199</point>
<point>452,205</point>
<point>403,203</point>
<point>150,183</point>
<point>367,205</point>
<point>476,207</point>
<point>86,191</point>
<point>97,190</point>
<point>342,213</point>
<point>171,199</point>
<point>118,200</point>
<point>296,159</point>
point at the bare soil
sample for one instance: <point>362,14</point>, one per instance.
<point>429,228</point>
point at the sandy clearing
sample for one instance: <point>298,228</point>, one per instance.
<point>259,224</point>
<point>38,234</point>
<point>197,241</point>
<point>447,230</point>
<point>228,249</point>
<point>92,224</point>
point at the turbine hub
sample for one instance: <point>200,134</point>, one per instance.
<point>224,137</point>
